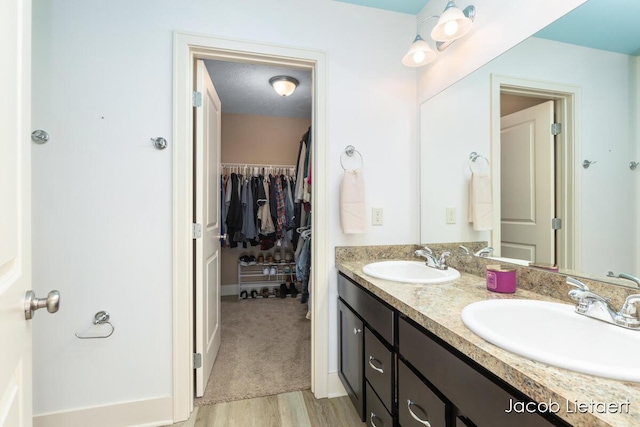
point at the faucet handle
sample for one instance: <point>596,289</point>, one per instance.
<point>577,283</point>
<point>428,249</point>
<point>630,308</point>
<point>464,249</point>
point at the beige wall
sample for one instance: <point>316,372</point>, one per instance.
<point>259,140</point>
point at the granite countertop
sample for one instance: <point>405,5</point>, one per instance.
<point>437,308</point>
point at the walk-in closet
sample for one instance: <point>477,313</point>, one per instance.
<point>265,246</point>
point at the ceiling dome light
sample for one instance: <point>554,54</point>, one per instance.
<point>453,23</point>
<point>419,53</point>
<point>284,85</point>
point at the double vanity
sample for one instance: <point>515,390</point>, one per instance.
<point>448,352</point>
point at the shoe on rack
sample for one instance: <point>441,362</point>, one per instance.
<point>260,259</point>
<point>293,290</point>
<point>244,260</point>
<point>254,293</point>
<point>276,292</point>
<point>288,256</point>
<point>277,256</point>
<point>269,259</point>
<point>304,297</point>
<point>273,271</point>
<point>265,271</point>
<point>287,270</point>
<point>243,295</point>
<point>265,292</point>
<point>252,260</point>
<point>283,290</point>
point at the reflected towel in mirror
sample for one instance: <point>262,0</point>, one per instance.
<point>480,201</point>
<point>353,215</point>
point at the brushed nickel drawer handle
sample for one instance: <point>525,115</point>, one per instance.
<point>415,417</point>
<point>375,368</point>
<point>356,331</point>
<point>372,417</point>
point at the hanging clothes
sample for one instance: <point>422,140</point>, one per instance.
<point>234,215</point>
<point>248,216</point>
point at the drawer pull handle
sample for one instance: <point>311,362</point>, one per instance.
<point>372,417</point>
<point>415,417</point>
<point>356,331</point>
<point>375,368</point>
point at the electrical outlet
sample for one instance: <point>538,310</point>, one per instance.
<point>376,216</point>
<point>450,214</point>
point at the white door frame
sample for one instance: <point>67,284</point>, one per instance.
<point>568,185</point>
<point>188,47</point>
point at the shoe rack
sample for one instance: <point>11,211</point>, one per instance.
<point>253,278</point>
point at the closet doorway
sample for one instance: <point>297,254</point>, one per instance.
<point>187,49</point>
<point>264,213</point>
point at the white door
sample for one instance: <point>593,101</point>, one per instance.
<point>207,214</point>
<point>15,213</point>
<point>527,195</point>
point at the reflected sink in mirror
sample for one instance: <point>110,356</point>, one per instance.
<point>554,334</point>
<point>409,272</point>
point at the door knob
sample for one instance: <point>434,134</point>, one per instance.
<point>31,303</point>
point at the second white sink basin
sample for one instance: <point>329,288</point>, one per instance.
<point>409,272</point>
<point>553,333</point>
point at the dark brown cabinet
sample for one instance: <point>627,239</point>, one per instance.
<point>350,356</point>
<point>399,374</point>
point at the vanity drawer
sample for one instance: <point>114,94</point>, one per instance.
<point>378,367</point>
<point>476,396</point>
<point>376,414</point>
<point>372,311</point>
<point>417,404</point>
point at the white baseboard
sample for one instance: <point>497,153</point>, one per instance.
<point>334,386</point>
<point>226,290</point>
<point>143,413</point>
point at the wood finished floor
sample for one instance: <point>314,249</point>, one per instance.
<point>295,409</point>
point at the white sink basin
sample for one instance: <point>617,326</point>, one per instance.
<point>554,334</point>
<point>409,272</point>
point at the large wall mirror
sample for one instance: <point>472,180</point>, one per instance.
<point>582,71</point>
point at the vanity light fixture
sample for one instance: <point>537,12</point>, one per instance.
<point>452,24</point>
<point>284,85</point>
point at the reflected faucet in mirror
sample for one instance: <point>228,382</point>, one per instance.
<point>625,276</point>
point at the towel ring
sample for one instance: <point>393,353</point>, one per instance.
<point>100,318</point>
<point>350,150</point>
<point>473,156</point>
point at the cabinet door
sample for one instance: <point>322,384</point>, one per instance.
<point>350,356</point>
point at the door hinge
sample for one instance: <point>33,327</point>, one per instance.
<point>197,99</point>
<point>556,223</point>
<point>197,360</point>
<point>556,128</point>
<point>196,231</point>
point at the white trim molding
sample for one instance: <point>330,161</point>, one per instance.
<point>187,48</point>
<point>142,413</point>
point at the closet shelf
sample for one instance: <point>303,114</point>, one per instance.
<point>252,277</point>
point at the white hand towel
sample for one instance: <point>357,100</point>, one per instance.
<point>352,204</point>
<point>480,202</point>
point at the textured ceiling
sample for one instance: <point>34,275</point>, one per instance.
<point>245,89</point>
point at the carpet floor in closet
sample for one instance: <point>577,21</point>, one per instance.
<point>265,350</point>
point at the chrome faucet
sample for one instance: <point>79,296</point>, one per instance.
<point>484,252</point>
<point>630,277</point>
<point>439,263</point>
<point>593,305</point>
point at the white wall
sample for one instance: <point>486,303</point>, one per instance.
<point>457,121</point>
<point>498,26</point>
<point>102,84</point>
